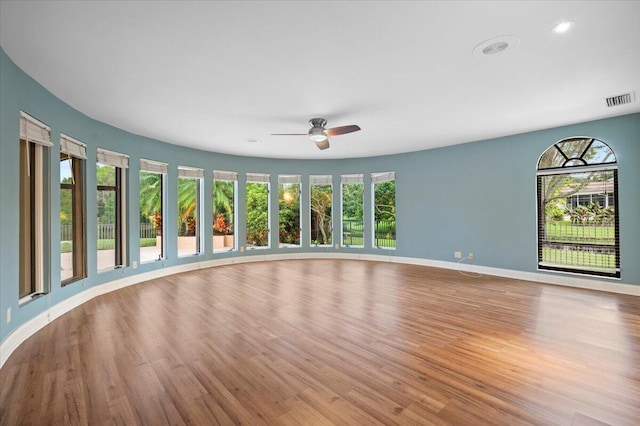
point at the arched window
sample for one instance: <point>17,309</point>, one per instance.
<point>578,231</point>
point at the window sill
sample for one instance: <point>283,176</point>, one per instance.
<point>225,250</point>
<point>29,298</point>
<point>182,256</point>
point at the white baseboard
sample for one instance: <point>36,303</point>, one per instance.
<point>13,340</point>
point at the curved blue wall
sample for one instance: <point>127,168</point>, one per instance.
<point>477,197</point>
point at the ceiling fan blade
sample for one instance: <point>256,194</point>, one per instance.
<point>342,130</point>
<point>289,134</point>
<point>323,144</point>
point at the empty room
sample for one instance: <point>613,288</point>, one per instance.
<point>320,212</point>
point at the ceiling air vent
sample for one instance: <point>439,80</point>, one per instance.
<point>626,98</point>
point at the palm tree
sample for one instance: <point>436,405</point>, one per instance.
<point>187,205</point>
<point>223,199</point>
<point>150,193</point>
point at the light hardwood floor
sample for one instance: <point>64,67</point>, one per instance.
<point>312,342</point>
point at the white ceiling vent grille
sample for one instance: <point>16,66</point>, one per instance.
<point>626,98</point>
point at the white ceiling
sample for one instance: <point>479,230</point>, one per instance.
<point>216,75</point>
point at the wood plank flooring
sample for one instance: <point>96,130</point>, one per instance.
<point>318,342</point>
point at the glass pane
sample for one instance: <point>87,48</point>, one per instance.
<point>187,216</point>
<point>575,162</point>
<point>223,215</point>
<point>384,214</point>
<point>66,220</point>
<point>599,153</point>
<point>106,175</point>
<point>151,224</point>
<point>257,214</point>
<point>106,207</point>
<point>289,214</point>
<point>352,215</point>
<point>551,158</point>
<point>573,148</point>
<point>581,234</point>
<point>321,225</point>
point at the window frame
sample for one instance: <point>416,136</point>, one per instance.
<point>260,179</point>
<point>290,179</point>
<point>197,175</point>
<point>161,169</point>
<point>121,163</point>
<point>320,180</point>
<point>577,163</point>
<point>75,152</point>
<point>34,144</point>
<point>225,176</point>
<point>351,179</point>
<point>379,178</point>
<point>36,178</point>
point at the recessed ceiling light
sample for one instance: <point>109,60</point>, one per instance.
<point>494,48</point>
<point>495,45</point>
<point>562,27</point>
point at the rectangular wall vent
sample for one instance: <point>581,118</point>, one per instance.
<point>626,98</point>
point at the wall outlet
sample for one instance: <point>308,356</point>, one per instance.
<point>457,254</point>
<point>134,264</point>
<point>470,256</point>
<point>8,315</point>
<point>337,246</point>
<point>241,249</point>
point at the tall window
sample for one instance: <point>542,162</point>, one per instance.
<point>153,175</point>
<point>384,209</point>
<point>577,182</point>
<point>189,207</point>
<point>35,142</point>
<point>258,210</point>
<point>352,210</point>
<point>321,197</point>
<point>289,210</point>
<point>110,178</point>
<point>224,213</point>
<point>73,259</point>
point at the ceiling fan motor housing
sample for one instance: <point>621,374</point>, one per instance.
<point>317,133</point>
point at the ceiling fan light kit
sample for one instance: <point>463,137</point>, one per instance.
<point>317,134</point>
<point>320,135</point>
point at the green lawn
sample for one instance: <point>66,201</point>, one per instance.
<point>65,246</point>
<point>568,232</point>
<point>578,258</point>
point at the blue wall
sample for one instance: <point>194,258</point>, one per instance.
<point>477,197</point>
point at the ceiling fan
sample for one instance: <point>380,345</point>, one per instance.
<point>318,134</point>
